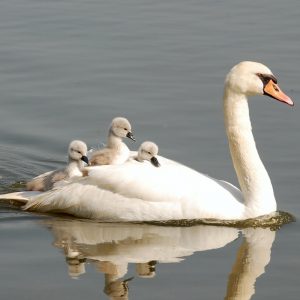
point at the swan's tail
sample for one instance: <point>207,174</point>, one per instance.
<point>39,203</point>
<point>23,197</point>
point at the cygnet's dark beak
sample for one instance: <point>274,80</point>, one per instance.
<point>155,162</point>
<point>85,159</point>
<point>130,136</point>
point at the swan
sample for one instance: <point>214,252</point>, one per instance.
<point>77,152</point>
<point>116,152</point>
<point>139,192</point>
<point>148,152</point>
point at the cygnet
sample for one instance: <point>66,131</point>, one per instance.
<point>116,152</point>
<point>77,157</point>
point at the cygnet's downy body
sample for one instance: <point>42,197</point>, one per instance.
<point>76,159</point>
<point>116,152</point>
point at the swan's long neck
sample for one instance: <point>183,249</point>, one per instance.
<point>253,178</point>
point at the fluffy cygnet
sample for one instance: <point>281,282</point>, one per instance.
<point>116,152</point>
<point>148,151</point>
<point>77,157</point>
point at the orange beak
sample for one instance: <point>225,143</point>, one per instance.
<point>273,90</point>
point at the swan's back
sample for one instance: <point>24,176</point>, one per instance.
<point>137,191</point>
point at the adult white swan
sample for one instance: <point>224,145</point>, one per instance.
<point>138,192</point>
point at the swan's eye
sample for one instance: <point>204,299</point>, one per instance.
<point>265,78</point>
<point>149,152</point>
<point>125,129</point>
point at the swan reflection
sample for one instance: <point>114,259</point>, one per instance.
<point>111,247</point>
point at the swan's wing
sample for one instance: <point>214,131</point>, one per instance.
<point>236,193</point>
<point>136,180</point>
<point>170,182</point>
<point>84,200</point>
<point>138,191</point>
<point>197,194</point>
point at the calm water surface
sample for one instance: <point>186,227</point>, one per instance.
<point>68,67</point>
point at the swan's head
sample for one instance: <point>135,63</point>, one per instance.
<point>253,78</point>
<point>121,128</point>
<point>148,151</point>
<point>78,151</point>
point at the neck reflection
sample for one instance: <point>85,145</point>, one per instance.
<point>252,257</point>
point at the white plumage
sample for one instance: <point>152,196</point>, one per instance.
<point>137,191</point>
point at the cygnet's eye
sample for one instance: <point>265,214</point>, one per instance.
<point>149,152</point>
<point>125,129</point>
<point>78,151</point>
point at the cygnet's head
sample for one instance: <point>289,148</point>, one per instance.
<point>253,78</point>
<point>121,128</point>
<point>148,151</point>
<point>78,151</point>
<point>146,270</point>
<point>117,289</point>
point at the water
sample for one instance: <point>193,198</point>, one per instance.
<point>68,67</point>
